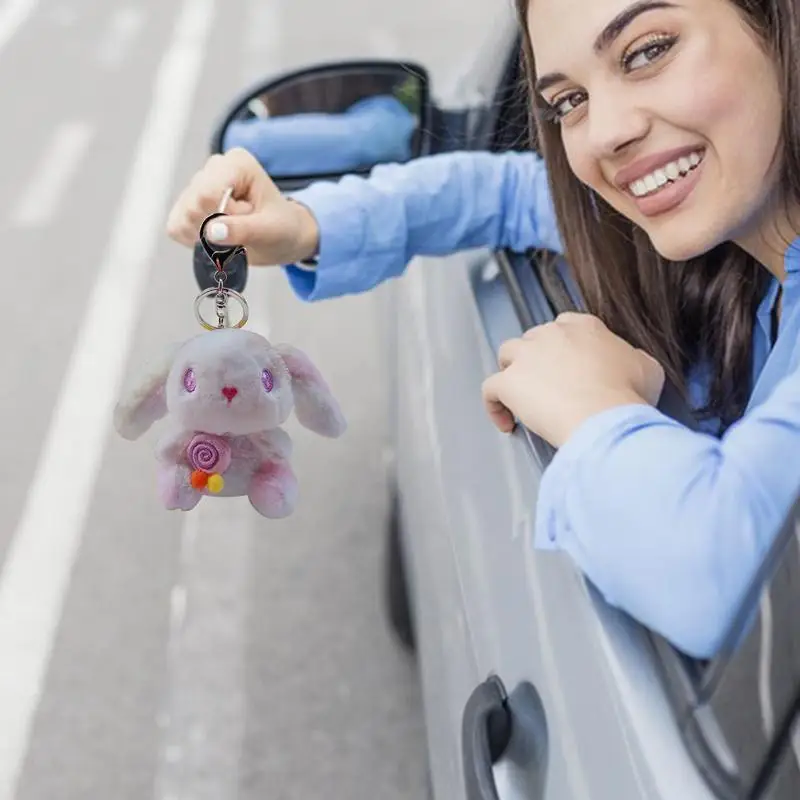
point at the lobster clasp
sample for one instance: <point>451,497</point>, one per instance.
<point>214,264</point>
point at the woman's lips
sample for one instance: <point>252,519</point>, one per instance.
<point>670,196</point>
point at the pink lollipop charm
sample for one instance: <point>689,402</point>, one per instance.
<point>209,453</point>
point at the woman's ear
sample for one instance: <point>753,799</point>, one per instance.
<point>146,402</point>
<point>315,406</point>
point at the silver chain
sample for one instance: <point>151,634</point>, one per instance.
<point>221,297</point>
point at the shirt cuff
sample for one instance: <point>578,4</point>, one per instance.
<point>342,234</point>
<point>550,532</point>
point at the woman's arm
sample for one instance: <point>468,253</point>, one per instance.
<point>669,524</point>
<point>433,206</point>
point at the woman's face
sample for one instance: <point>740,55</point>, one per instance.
<point>670,111</point>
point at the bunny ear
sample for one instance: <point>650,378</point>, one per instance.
<point>315,406</point>
<point>146,402</point>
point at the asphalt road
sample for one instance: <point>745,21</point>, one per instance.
<point>147,654</point>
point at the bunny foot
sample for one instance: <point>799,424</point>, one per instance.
<point>175,488</point>
<point>273,490</point>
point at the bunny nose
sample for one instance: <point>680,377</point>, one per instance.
<point>230,392</point>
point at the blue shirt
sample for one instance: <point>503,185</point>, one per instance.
<point>372,131</point>
<point>670,524</point>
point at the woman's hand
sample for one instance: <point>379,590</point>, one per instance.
<point>560,374</point>
<point>273,229</point>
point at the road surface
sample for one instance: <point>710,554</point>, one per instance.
<point>146,654</point>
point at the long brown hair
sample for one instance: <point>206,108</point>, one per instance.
<point>682,313</point>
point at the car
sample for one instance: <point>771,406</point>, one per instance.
<point>533,687</point>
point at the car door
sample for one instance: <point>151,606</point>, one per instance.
<point>534,688</point>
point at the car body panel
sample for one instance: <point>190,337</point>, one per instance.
<point>531,616</point>
<point>446,653</point>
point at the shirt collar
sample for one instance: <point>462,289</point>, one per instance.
<point>791,263</point>
<point>763,315</point>
<point>791,259</point>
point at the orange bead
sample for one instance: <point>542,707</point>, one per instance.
<point>199,479</point>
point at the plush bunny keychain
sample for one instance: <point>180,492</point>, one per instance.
<point>225,393</point>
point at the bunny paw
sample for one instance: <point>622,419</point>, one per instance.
<point>273,490</point>
<point>175,488</point>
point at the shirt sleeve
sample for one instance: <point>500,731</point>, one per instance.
<point>669,524</point>
<point>433,206</point>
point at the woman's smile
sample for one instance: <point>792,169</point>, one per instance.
<point>662,189</point>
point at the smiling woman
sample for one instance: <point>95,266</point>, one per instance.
<point>671,135</point>
<point>664,122</point>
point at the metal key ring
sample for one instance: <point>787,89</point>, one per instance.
<point>229,294</point>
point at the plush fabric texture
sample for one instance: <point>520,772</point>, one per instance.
<point>224,395</point>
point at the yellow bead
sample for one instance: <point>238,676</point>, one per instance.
<point>216,483</point>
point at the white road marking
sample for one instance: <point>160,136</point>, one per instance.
<point>58,166</point>
<point>38,565</point>
<point>13,16</point>
<point>123,28</point>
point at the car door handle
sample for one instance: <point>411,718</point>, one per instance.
<point>485,734</point>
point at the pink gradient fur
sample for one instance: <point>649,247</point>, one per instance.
<point>225,394</point>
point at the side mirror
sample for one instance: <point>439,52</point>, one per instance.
<point>331,120</point>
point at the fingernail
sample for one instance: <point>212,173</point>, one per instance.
<point>218,232</point>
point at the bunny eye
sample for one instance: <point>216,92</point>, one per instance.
<point>267,380</point>
<point>189,380</point>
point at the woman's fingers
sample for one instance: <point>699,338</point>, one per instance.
<point>493,391</point>
<point>237,170</point>
<point>509,351</point>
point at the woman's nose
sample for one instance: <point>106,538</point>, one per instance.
<point>614,124</point>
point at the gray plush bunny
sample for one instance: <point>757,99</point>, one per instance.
<point>225,394</point>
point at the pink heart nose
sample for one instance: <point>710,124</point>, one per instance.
<point>230,392</point>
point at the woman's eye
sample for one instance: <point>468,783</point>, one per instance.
<point>267,381</point>
<point>643,56</point>
<point>559,108</point>
<point>651,52</point>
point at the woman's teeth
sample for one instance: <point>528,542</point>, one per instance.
<point>670,173</point>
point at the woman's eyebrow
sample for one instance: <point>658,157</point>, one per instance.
<point>623,19</point>
<point>607,36</point>
<point>546,81</point>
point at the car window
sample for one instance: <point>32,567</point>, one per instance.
<point>752,689</point>
<point>783,780</point>
<point>738,711</point>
